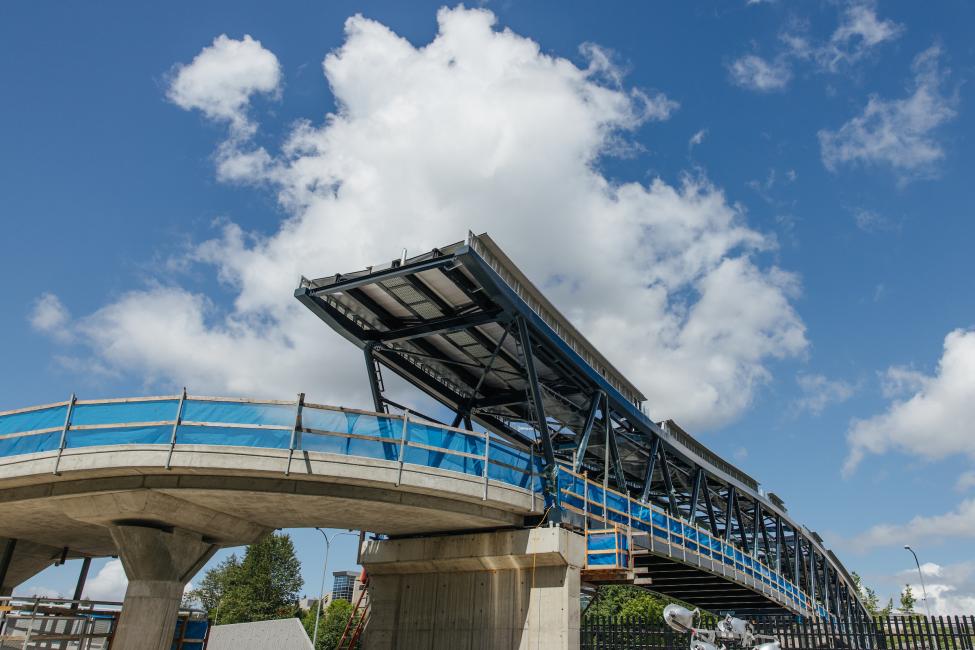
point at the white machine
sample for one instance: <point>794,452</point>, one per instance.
<point>731,631</point>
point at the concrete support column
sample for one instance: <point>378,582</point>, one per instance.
<point>500,590</point>
<point>158,565</point>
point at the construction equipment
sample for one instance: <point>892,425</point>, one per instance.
<point>731,632</point>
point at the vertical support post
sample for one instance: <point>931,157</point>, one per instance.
<point>402,445</point>
<point>648,478</point>
<point>712,520</point>
<point>695,496</point>
<point>377,393</point>
<point>729,512</point>
<point>778,544</point>
<point>82,578</point>
<point>64,432</point>
<point>586,432</point>
<point>741,525</point>
<point>796,558</point>
<point>813,575</point>
<point>826,602</point>
<point>552,497</point>
<point>6,558</point>
<point>531,478</point>
<point>614,450</point>
<point>606,478</point>
<point>487,459</point>
<point>176,423</point>
<point>669,484</point>
<point>756,522</point>
<point>295,431</point>
<point>585,506</point>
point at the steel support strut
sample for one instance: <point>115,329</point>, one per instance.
<point>552,501</point>
<point>587,431</point>
<point>648,478</point>
<point>729,512</point>
<point>377,393</point>
<point>613,449</point>
<point>695,495</point>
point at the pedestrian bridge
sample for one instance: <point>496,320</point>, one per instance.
<point>232,469</point>
<point>557,477</point>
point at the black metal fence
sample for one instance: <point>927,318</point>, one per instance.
<point>882,633</point>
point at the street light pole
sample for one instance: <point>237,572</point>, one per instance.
<point>924,590</point>
<point>321,591</point>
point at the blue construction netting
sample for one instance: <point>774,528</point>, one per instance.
<point>215,421</point>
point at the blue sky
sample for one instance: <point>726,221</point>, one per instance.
<point>760,211</point>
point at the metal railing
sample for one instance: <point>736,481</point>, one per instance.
<point>36,622</point>
<point>175,421</point>
<point>878,633</point>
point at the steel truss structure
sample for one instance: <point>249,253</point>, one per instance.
<point>466,326</point>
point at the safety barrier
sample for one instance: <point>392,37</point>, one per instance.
<point>405,439</point>
<point>878,633</point>
<point>693,544</point>
<point>35,622</point>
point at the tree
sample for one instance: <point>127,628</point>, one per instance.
<point>888,608</point>
<point>869,597</point>
<point>264,586</point>
<point>214,584</point>
<point>907,600</point>
<point>331,624</point>
<point>626,600</point>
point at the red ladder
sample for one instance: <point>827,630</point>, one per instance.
<point>357,621</point>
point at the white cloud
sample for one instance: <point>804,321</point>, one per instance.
<point>222,78</point>
<point>818,392</point>
<point>39,591</point>
<point>935,421</point>
<point>872,221</point>
<point>966,481</point>
<point>108,584</point>
<point>898,381</point>
<point>898,132</point>
<point>755,73</point>
<point>697,138</point>
<point>958,523</point>
<point>50,316</point>
<point>858,32</point>
<point>477,129</point>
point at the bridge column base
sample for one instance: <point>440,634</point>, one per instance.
<point>505,589</point>
<point>158,565</point>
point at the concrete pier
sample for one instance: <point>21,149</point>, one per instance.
<point>158,564</point>
<point>499,590</point>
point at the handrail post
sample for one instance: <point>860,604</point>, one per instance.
<point>487,449</point>
<point>531,476</point>
<point>299,405</point>
<point>176,423</point>
<point>402,446</point>
<point>64,432</point>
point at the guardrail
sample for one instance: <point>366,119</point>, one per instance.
<point>406,439</point>
<point>27,623</point>
<point>678,538</point>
